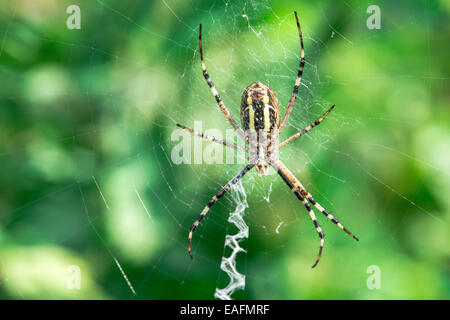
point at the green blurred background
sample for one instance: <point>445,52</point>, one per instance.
<point>86,118</point>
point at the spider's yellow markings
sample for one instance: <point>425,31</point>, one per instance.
<point>266,112</point>
<point>251,115</point>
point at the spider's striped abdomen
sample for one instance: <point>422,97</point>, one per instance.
<point>259,108</point>
<point>260,117</point>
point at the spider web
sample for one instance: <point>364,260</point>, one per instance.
<point>96,186</point>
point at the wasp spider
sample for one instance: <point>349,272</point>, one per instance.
<point>261,127</point>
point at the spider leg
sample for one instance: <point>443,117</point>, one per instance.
<point>326,213</point>
<point>204,136</point>
<point>297,81</point>
<point>213,200</point>
<point>300,133</point>
<point>214,91</point>
<point>308,196</point>
<point>293,184</point>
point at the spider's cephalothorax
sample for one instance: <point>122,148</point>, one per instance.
<point>261,127</point>
<point>260,118</point>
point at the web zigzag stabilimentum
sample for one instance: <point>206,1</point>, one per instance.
<point>228,264</point>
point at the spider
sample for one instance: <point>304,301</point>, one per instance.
<point>260,118</point>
